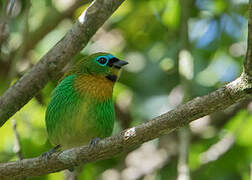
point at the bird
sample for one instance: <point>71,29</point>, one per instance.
<point>81,109</point>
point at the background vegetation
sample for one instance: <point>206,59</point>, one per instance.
<point>176,50</point>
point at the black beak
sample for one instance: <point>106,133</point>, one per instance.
<point>119,64</point>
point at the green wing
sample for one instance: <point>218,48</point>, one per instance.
<point>62,109</point>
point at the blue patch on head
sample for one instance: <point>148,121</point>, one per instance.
<point>102,60</point>
<point>110,56</point>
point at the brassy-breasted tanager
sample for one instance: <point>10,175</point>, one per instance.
<point>81,107</point>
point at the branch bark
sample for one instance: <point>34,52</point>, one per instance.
<point>51,64</point>
<point>182,115</point>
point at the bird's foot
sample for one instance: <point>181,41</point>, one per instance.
<point>93,142</point>
<point>48,154</point>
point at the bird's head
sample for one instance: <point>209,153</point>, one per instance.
<point>101,64</point>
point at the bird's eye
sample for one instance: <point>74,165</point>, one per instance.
<point>102,60</point>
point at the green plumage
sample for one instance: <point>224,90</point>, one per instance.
<point>80,110</point>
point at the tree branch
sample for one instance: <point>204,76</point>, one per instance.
<point>184,143</point>
<point>251,171</point>
<point>182,115</point>
<point>17,145</point>
<point>51,64</point>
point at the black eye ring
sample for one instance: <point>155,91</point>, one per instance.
<point>102,60</point>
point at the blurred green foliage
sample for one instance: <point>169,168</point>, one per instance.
<point>147,35</point>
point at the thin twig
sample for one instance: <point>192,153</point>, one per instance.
<point>70,175</point>
<point>74,174</point>
<point>248,59</point>
<point>251,171</point>
<point>184,133</point>
<point>183,167</point>
<point>17,145</point>
<point>218,149</point>
<point>4,21</point>
<point>139,163</point>
<point>10,7</point>
<point>19,55</point>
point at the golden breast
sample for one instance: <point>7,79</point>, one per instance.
<point>96,86</point>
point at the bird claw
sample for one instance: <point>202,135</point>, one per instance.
<point>48,154</point>
<point>93,142</point>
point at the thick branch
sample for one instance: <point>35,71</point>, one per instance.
<point>129,138</point>
<point>50,65</point>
